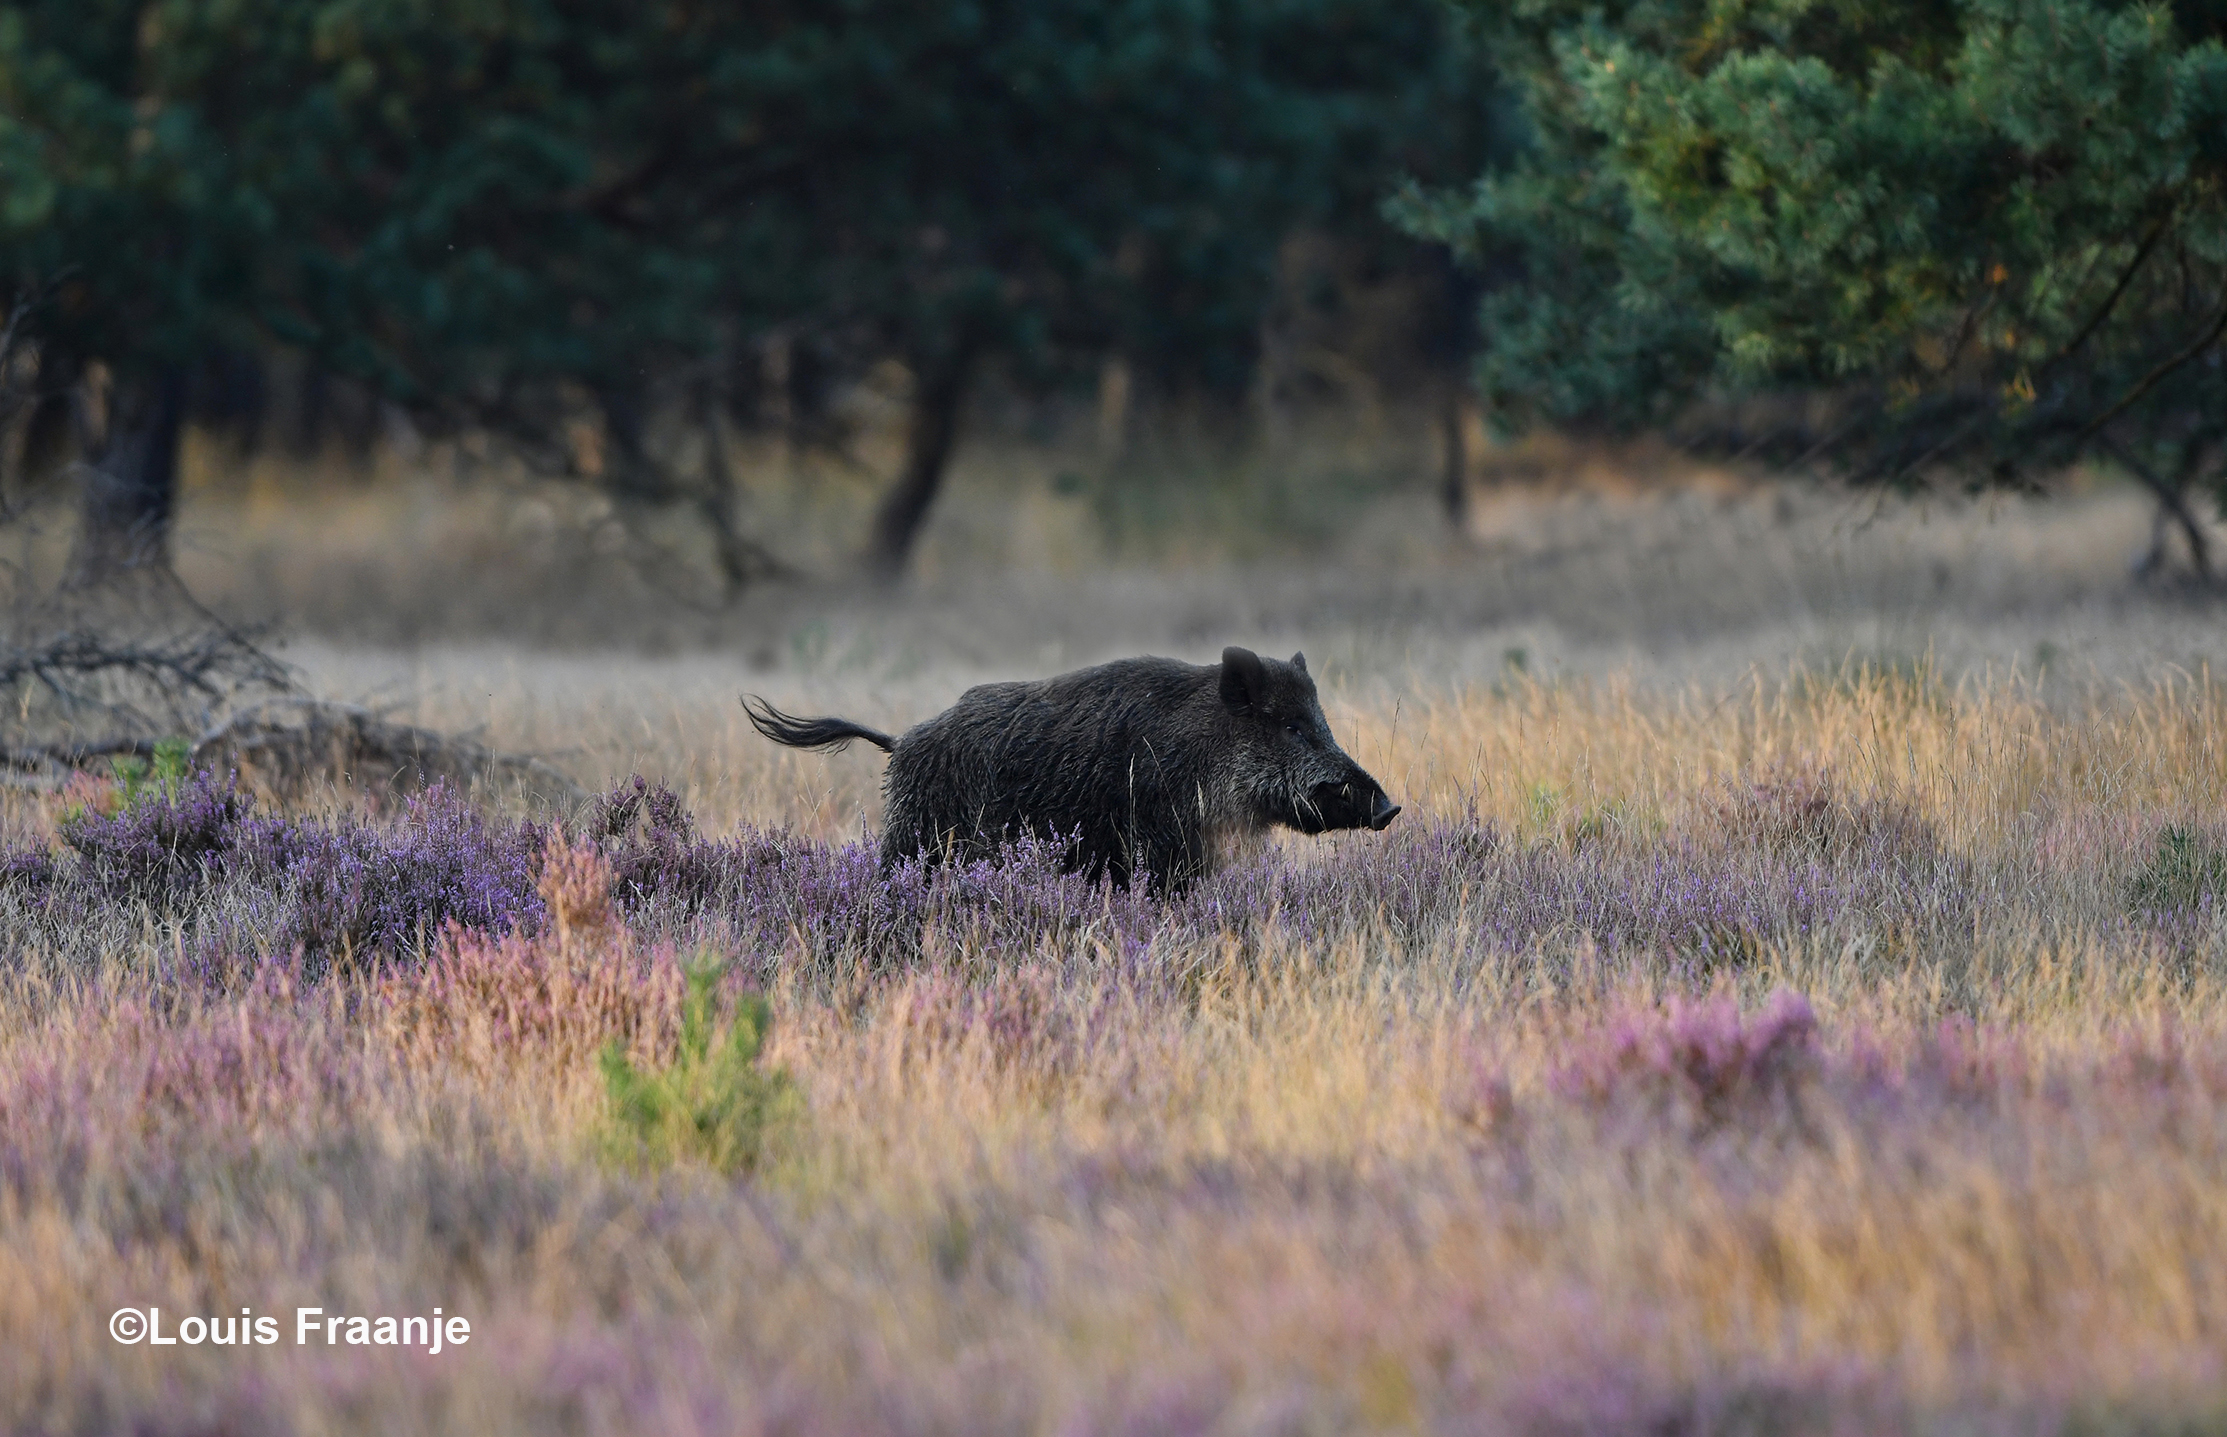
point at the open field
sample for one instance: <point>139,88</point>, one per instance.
<point>1795,999</point>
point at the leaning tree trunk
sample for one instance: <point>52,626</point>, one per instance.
<point>127,490</point>
<point>2171,496</point>
<point>941,388</point>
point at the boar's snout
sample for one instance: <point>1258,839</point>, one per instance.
<point>1357,802</point>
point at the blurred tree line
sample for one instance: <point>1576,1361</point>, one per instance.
<point>509,216</point>
<point>1903,239</point>
<point>1982,239</point>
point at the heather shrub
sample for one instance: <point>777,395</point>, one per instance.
<point>1481,1100</point>
<point>158,847</point>
<point>1961,1059</point>
<point>140,1069</point>
<point>832,907</point>
<point>1792,861</point>
<point>712,1104</point>
<point>194,853</point>
<point>835,913</point>
<point>486,1001</point>
<point>2167,1056</point>
<point>555,994</point>
<point>1704,1062</point>
<point>131,780</point>
<point>358,888</point>
<point>654,853</point>
<point>576,889</point>
<point>2187,870</point>
<point>1457,883</point>
<point>1018,1016</point>
<point>27,871</point>
<point>1038,1028</point>
<point>84,793</point>
<point>1801,812</point>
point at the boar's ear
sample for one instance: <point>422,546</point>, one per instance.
<point>1243,679</point>
<point>1299,662</point>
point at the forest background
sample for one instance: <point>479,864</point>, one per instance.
<point>1744,474</point>
<point>632,249</point>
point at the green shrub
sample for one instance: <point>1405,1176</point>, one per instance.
<point>713,1105</point>
<point>141,779</point>
<point>2187,867</point>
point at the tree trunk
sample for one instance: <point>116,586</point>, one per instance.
<point>1453,489</point>
<point>2192,528</point>
<point>742,560</point>
<point>127,490</point>
<point>941,389</point>
<point>2172,508</point>
<point>1115,384</point>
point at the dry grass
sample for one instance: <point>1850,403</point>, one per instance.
<point>1370,1182</point>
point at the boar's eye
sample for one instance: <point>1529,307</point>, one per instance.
<point>1295,727</point>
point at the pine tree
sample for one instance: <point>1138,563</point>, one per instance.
<point>1990,236</point>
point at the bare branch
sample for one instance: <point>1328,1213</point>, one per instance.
<point>2157,376</point>
<point>2118,291</point>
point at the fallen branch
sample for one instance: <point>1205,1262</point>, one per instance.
<point>75,755</point>
<point>288,747</point>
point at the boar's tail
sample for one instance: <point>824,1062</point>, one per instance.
<point>829,735</point>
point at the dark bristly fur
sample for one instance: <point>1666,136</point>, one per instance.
<point>1148,765</point>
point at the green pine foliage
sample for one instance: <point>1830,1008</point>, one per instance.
<point>714,1105</point>
<point>1991,234</point>
<point>157,778</point>
<point>470,205</point>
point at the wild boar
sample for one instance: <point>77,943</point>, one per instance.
<point>1141,766</point>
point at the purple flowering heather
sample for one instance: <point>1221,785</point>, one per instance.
<point>1702,1058</point>
<point>359,888</point>
<point>280,885</point>
<point>1759,870</point>
<point>162,847</point>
